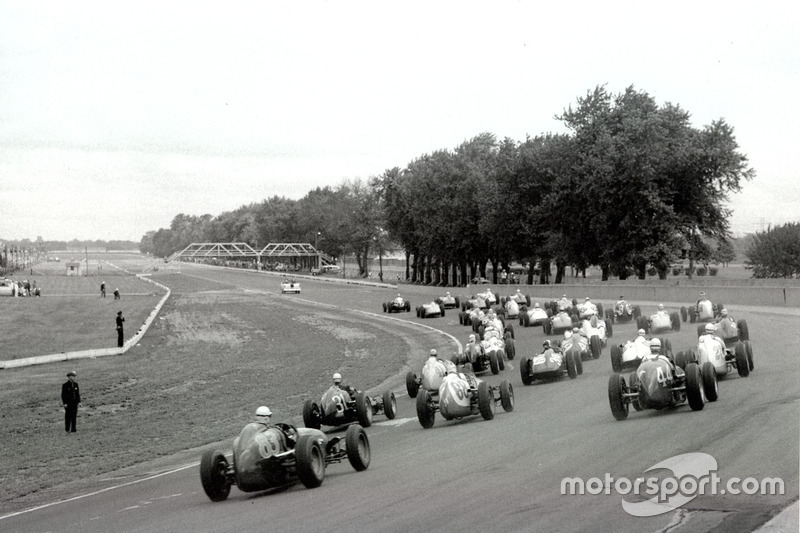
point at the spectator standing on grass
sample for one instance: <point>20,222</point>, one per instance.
<point>102,289</point>
<point>71,398</point>
<point>120,332</point>
<point>116,294</point>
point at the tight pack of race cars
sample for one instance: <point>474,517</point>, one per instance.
<point>646,375</point>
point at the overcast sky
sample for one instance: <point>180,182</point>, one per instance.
<point>115,119</point>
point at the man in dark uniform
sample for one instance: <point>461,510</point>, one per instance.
<point>103,289</point>
<point>71,398</point>
<point>120,335</point>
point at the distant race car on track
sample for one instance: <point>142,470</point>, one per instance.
<point>449,301</point>
<point>270,456</point>
<point>397,305</point>
<point>430,309</point>
<point>290,287</point>
<point>549,365</point>
<point>463,395</point>
<point>340,406</point>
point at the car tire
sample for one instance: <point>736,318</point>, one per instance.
<point>364,409</point>
<point>744,333</point>
<point>510,329</point>
<point>310,459</point>
<point>637,312</point>
<point>684,314</point>
<point>749,355</point>
<point>710,386</point>
<point>511,349</point>
<point>213,468</point>
<point>425,410</point>
<point>596,346</point>
<point>493,362</point>
<point>507,396</point>
<point>742,363</point>
<point>312,415</point>
<point>694,387</point>
<point>616,358</point>
<point>485,401</point>
<point>616,388</point>
<point>643,323</point>
<point>524,371</point>
<point>572,369</point>
<point>357,447</point>
<point>609,329</point>
<point>675,319</point>
<point>412,386</point>
<point>389,404</point>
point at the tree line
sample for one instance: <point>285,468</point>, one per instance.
<point>632,186</point>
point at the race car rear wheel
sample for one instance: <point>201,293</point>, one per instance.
<point>385,308</point>
<point>643,323</point>
<point>742,363</point>
<point>744,333</point>
<point>312,416</point>
<point>412,387</point>
<point>579,365</point>
<point>634,384</point>
<point>675,320</point>
<point>425,410</point>
<point>310,461</point>
<point>710,386</point>
<point>507,396</point>
<point>485,401</point>
<point>616,387</point>
<point>637,312</point>
<point>609,329</point>
<point>510,329</point>
<point>501,360</point>
<point>389,404</point>
<point>572,369</point>
<point>511,349</point>
<point>364,409</point>
<point>616,358</point>
<point>494,365</point>
<point>358,451</point>
<point>595,345</point>
<point>213,468</point>
<point>694,387</point>
<point>749,354</point>
<point>524,369</point>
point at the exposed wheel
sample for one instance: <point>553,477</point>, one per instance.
<point>507,396</point>
<point>643,323</point>
<point>616,358</point>
<point>637,312</point>
<point>680,359</point>
<point>412,386</point>
<point>312,415</point>
<point>358,452</point>
<point>511,349</point>
<point>595,346</point>
<point>684,314</point>
<point>692,315</point>
<point>418,310</point>
<point>609,315</point>
<point>742,363</point>
<point>493,363</point>
<point>485,401</point>
<point>666,347</point>
<point>694,387</point>
<point>749,354</point>
<point>609,328</point>
<point>364,409</point>
<point>572,369</point>
<point>213,468</point>
<point>501,361</point>
<point>744,333</point>
<point>425,411</point>
<point>510,329</point>
<point>675,320</point>
<point>441,308</point>
<point>524,369</point>
<point>710,387</point>
<point>389,404</point>
<point>600,310</point>
<point>521,319</point>
<point>579,365</point>
<point>458,302</point>
<point>310,461</point>
<point>616,387</point>
<point>385,308</point>
<point>408,306</point>
<point>634,385</point>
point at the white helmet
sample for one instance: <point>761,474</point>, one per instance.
<point>448,293</point>
<point>337,378</point>
<point>724,312</point>
<point>434,353</point>
<point>587,299</point>
<point>263,414</point>
<point>575,330</point>
<point>710,328</point>
<point>660,307</point>
<point>655,345</point>
<point>641,332</point>
<point>472,338</point>
<point>536,305</point>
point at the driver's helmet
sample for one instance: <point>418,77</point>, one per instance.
<point>448,293</point>
<point>621,297</point>
<point>724,313</point>
<point>472,338</point>
<point>434,353</point>
<point>546,344</point>
<point>536,305</point>
<point>655,345</point>
<point>518,290</point>
<point>660,307</point>
<point>641,333</point>
<point>564,296</point>
<point>263,414</point>
<point>337,378</point>
<point>586,299</point>
<point>710,328</point>
<point>398,295</point>
<point>702,293</point>
<point>575,330</point>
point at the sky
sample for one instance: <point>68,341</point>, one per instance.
<point>117,116</point>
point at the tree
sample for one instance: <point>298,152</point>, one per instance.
<point>775,253</point>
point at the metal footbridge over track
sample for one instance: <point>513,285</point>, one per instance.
<point>239,250</point>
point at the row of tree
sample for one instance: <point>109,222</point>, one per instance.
<point>633,185</point>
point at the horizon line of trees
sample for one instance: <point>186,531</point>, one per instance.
<point>632,187</point>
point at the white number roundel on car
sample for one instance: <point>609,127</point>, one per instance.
<point>457,391</point>
<point>268,443</point>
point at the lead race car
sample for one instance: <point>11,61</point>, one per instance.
<point>518,297</point>
<point>704,310</point>
<point>269,456</point>
<point>339,406</point>
<point>430,309</point>
<point>588,309</point>
<point>397,305</point>
<point>549,365</point>
<point>461,395</point>
<point>623,312</point>
<point>658,384</point>
<point>660,322</point>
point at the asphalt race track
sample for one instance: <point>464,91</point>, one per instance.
<point>504,474</point>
